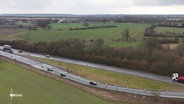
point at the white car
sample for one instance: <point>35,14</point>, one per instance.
<point>47,56</point>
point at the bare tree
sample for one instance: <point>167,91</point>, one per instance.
<point>125,34</point>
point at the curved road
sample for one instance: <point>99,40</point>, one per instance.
<point>58,71</point>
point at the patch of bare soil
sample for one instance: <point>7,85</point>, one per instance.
<point>8,31</point>
<point>170,46</point>
<point>118,97</point>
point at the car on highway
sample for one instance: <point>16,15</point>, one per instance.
<point>177,78</point>
<point>9,51</point>
<point>7,48</point>
<point>49,69</point>
<point>63,74</point>
<point>47,56</point>
<point>92,82</point>
<point>20,51</point>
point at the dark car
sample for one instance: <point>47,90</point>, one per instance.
<point>20,51</point>
<point>49,69</point>
<point>63,74</point>
<point>10,51</point>
<point>92,83</point>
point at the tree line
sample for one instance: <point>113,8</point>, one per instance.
<point>166,37</point>
<point>150,57</point>
<point>150,32</point>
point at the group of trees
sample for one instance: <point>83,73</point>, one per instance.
<point>43,23</point>
<point>34,25</point>
<point>161,20</point>
<point>87,27</point>
<point>31,24</point>
<point>149,31</point>
<point>171,23</point>
<point>149,58</point>
<point>125,18</point>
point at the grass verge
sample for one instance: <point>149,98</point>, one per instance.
<point>39,89</point>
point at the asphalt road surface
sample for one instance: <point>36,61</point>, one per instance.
<point>58,71</point>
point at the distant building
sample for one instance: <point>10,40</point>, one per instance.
<point>60,21</point>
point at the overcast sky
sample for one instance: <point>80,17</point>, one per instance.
<point>93,6</point>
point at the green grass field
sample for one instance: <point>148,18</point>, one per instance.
<point>39,89</point>
<point>8,37</point>
<point>5,37</point>
<point>108,34</point>
<point>114,78</point>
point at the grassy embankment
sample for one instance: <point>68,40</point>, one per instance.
<point>39,89</point>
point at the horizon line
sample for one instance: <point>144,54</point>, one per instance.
<point>90,14</point>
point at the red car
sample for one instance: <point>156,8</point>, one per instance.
<point>181,78</point>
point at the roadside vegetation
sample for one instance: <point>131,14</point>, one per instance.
<point>151,57</point>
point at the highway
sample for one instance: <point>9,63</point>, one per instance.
<point>57,71</point>
<point>103,67</point>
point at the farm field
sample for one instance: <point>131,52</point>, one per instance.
<point>113,77</point>
<point>8,34</point>
<point>39,89</point>
<point>169,29</point>
<point>111,36</point>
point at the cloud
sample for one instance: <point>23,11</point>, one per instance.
<point>24,4</point>
<point>158,2</point>
<point>91,6</point>
<point>88,6</point>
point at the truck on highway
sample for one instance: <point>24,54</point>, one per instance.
<point>177,78</point>
<point>7,48</point>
